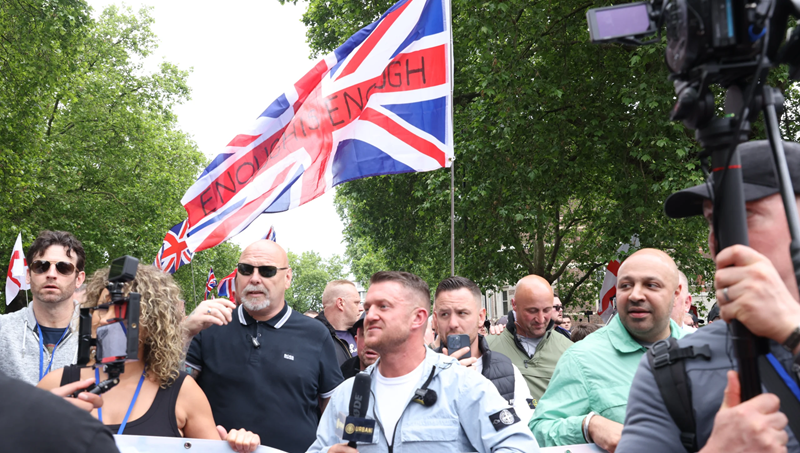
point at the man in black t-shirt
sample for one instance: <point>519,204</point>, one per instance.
<point>33,420</point>
<point>270,369</point>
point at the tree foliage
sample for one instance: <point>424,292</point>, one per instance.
<point>310,274</point>
<point>564,151</point>
<point>192,278</point>
<point>88,139</point>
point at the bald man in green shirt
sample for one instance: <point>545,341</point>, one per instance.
<point>588,394</point>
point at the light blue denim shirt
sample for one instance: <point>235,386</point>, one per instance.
<point>459,421</point>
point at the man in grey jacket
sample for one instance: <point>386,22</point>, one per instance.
<point>44,336</point>
<point>755,285</point>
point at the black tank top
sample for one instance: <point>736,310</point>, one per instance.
<point>159,420</point>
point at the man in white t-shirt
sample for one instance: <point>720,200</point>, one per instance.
<point>458,311</point>
<point>422,401</point>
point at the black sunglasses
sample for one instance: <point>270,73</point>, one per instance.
<point>264,271</point>
<point>558,307</point>
<point>63,267</point>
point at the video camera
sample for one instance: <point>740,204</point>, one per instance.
<point>708,42</point>
<point>117,340</point>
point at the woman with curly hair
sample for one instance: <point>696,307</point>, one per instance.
<point>153,398</point>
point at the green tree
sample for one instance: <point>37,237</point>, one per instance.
<point>192,278</point>
<point>310,274</point>
<point>564,150</point>
<point>91,145</point>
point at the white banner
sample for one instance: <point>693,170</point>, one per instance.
<point>148,444</point>
<point>582,448</point>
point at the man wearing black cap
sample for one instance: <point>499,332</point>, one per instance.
<point>364,357</point>
<point>713,314</point>
<point>755,285</point>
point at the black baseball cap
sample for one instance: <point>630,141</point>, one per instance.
<point>713,313</point>
<point>360,322</point>
<point>759,176</point>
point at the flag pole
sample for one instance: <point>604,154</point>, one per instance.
<point>452,219</point>
<point>453,159</point>
<point>194,287</point>
<point>27,303</point>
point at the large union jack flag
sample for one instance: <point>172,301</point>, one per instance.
<point>175,252</point>
<point>226,286</point>
<point>379,104</point>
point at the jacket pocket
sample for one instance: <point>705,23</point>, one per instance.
<point>430,430</point>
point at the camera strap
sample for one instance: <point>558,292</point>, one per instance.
<point>777,381</point>
<point>133,401</point>
<point>42,372</point>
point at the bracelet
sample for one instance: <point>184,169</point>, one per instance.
<point>586,421</point>
<point>793,340</point>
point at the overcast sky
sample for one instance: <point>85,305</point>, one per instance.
<point>243,55</point>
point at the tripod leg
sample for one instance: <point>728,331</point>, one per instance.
<point>772,97</point>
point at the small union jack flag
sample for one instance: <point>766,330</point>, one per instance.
<point>211,283</point>
<point>175,252</point>
<point>380,104</point>
<point>271,234</point>
<point>226,287</point>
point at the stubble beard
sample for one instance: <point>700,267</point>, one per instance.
<point>50,298</point>
<point>252,305</point>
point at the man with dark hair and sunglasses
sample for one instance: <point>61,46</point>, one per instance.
<point>43,336</point>
<point>269,369</point>
<point>558,317</point>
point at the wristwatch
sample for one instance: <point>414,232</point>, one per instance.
<point>794,339</point>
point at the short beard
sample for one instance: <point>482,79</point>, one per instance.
<point>255,306</point>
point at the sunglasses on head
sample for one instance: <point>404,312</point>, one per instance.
<point>63,267</point>
<point>264,271</point>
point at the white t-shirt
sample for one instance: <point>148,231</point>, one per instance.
<point>521,392</point>
<point>392,395</point>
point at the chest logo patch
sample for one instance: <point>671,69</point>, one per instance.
<point>288,356</point>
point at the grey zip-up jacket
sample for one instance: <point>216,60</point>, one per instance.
<point>19,346</point>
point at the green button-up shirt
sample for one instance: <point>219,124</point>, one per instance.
<point>593,375</point>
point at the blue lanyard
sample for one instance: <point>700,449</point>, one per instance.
<point>130,408</point>
<point>784,375</point>
<point>41,351</point>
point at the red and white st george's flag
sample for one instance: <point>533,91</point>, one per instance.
<point>608,293</point>
<point>17,269</point>
<point>380,104</point>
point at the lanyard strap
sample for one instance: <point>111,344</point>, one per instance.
<point>130,408</point>
<point>784,375</point>
<point>41,351</point>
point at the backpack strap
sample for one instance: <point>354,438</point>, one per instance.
<point>669,369</point>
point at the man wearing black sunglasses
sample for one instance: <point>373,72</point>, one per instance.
<point>558,317</point>
<point>270,369</point>
<point>43,336</point>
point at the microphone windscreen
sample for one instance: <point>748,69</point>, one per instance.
<point>359,398</point>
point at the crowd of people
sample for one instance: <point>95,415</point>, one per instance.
<point>253,371</point>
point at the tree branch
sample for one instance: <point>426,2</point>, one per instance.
<point>565,300</point>
<point>52,116</point>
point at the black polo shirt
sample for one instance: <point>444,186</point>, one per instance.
<point>272,389</point>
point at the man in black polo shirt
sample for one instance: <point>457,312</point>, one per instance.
<point>271,369</point>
